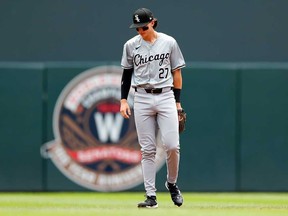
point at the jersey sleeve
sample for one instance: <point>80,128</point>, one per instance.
<point>176,58</point>
<point>127,59</point>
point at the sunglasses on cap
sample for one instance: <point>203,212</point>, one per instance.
<point>143,28</point>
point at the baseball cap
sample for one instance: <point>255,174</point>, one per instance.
<point>141,18</point>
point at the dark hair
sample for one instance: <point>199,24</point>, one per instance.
<point>155,23</point>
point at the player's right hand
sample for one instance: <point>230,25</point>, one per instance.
<point>124,108</point>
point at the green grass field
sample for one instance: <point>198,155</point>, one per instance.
<point>124,204</point>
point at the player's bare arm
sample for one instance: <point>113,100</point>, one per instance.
<point>177,82</point>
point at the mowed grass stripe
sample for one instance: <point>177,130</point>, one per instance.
<point>118,204</point>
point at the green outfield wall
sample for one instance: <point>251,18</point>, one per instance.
<point>236,137</point>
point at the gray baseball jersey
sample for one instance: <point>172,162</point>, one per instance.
<point>152,63</point>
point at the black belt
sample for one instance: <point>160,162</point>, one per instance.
<point>154,90</point>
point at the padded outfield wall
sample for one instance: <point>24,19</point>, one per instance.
<point>236,137</point>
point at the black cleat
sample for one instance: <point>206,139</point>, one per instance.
<point>175,193</point>
<point>150,202</point>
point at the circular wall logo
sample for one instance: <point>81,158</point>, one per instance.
<point>94,145</point>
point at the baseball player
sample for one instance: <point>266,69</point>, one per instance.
<point>152,63</point>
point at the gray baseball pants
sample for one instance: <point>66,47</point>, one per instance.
<point>152,111</point>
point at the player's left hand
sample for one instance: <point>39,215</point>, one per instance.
<point>182,116</point>
<point>178,106</point>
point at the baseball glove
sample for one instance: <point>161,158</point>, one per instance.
<point>182,116</point>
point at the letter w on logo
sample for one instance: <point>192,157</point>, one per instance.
<point>108,126</point>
